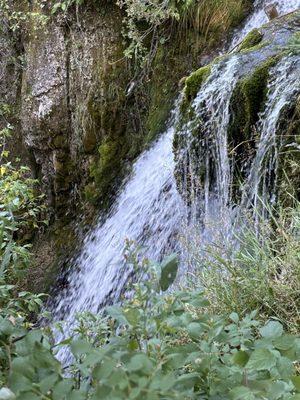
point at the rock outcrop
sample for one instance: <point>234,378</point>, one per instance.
<point>239,114</point>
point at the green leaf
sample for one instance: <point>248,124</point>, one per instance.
<point>187,380</point>
<point>195,329</point>
<point>132,315</point>
<point>261,359</point>
<point>79,347</point>
<point>139,362</point>
<point>116,313</point>
<point>285,342</point>
<point>234,317</point>
<point>169,270</point>
<point>103,370</point>
<point>240,358</point>
<point>296,382</point>
<point>272,329</point>
<point>48,382</point>
<point>242,393</point>
<point>61,389</point>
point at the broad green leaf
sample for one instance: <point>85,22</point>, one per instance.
<point>103,370</point>
<point>195,329</point>
<point>132,315</point>
<point>48,382</point>
<point>261,359</point>
<point>242,393</point>
<point>139,362</point>
<point>79,347</point>
<point>240,358</point>
<point>62,388</point>
<point>273,329</point>
<point>169,270</point>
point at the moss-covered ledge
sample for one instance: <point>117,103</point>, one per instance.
<point>248,100</point>
<point>252,39</point>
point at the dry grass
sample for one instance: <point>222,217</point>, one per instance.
<point>210,17</point>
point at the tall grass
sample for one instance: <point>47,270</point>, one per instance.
<point>258,271</point>
<point>212,16</point>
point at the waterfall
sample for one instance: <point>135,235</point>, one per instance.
<point>284,86</point>
<point>149,209</point>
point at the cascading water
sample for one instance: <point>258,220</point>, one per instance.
<point>284,86</point>
<point>259,17</point>
<point>149,208</point>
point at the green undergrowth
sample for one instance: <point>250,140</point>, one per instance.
<point>157,345</point>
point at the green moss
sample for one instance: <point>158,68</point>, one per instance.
<point>252,39</point>
<point>195,81</point>
<point>248,99</point>
<point>170,65</point>
<point>107,169</point>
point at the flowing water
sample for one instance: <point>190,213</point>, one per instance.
<point>284,86</point>
<point>149,209</point>
<point>259,17</point>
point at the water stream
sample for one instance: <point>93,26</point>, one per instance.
<point>149,209</point>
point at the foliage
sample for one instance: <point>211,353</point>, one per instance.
<point>158,345</point>
<point>64,5</point>
<point>20,211</point>
<point>15,15</point>
<point>261,272</point>
<point>145,22</point>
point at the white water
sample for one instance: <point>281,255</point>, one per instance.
<point>259,17</point>
<point>283,87</point>
<point>214,100</point>
<point>149,209</point>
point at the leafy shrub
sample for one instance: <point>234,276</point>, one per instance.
<point>21,208</point>
<point>158,345</point>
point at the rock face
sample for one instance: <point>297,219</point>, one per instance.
<point>66,64</point>
<point>80,123</point>
<point>239,120</point>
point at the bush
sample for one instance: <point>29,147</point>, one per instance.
<point>21,208</point>
<point>158,345</point>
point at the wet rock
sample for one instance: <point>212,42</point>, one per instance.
<point>219,129</point>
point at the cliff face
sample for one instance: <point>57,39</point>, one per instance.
<point>69,65</point>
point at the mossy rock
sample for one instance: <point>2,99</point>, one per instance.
<point>248,99</point>
<point>252,39</point>
<point>194,82</point>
